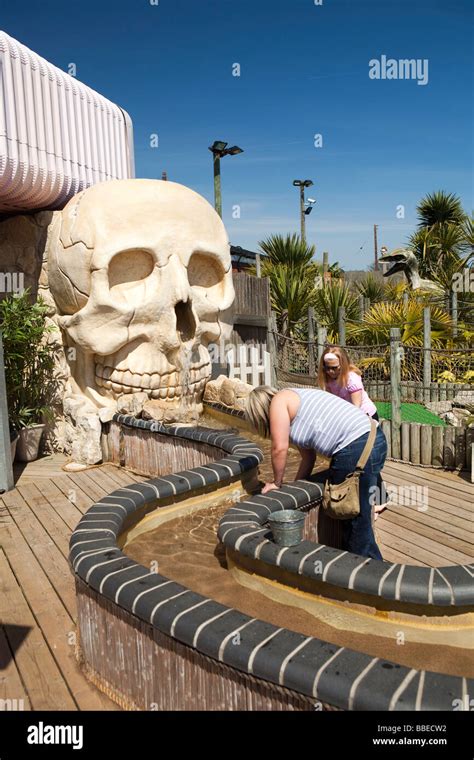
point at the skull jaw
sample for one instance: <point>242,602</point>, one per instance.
<point>101,381</point>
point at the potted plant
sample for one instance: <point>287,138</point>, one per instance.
<point>14,436</point>
<point>29,369</point>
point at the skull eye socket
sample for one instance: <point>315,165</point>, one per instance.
<point>206,271</point>
<point>128,269</point>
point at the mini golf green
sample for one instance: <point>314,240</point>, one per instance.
<point>410,413</point>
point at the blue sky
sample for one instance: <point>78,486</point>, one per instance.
<point>304,71</point>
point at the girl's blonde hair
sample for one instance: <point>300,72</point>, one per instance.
<point>257,409</point>
<point>345,363</point>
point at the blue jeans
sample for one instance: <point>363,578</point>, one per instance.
<point>358,536</point>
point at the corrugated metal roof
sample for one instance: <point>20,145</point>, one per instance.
<point>57,136</point>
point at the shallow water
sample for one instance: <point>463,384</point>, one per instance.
<point>187,551</point>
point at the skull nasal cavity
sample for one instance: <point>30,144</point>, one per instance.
<point>185,322</point>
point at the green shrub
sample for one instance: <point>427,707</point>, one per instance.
<point>29,359</point>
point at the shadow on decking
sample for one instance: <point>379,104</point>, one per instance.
<point>11,639</point>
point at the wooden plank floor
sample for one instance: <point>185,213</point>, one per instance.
<point>434,526</point>
<point>38,668</point>
<point>432,519</point>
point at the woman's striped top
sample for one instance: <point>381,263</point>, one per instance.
<point>326,423</point>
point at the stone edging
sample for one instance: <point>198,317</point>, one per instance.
<point>241,529</point>
<point>441,586</point>
<point>324,671</point>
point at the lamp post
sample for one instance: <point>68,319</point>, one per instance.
<point>218,150</point>
<point>302,183</point>
<point>376,260</point>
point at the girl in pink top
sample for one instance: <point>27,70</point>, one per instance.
<point>337,375</point>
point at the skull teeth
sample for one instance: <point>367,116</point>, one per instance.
<point>165,386</point>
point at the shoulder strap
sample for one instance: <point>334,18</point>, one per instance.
<point>368,446</point>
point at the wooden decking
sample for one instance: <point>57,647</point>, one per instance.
<point>433,522</point>
<point>37,602</point>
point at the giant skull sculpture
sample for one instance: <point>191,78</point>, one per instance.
<point>140,273</point>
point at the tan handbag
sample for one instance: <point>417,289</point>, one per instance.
<point>341,500</point>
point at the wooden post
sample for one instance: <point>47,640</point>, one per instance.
<point>272,347</point>
<point>437,446</point>
<point>449,457</point>
<point>366,305</point>
<point>322,338</point>
<point>325,264</point>
<point>6,469</point>
<point>311,361</point>
<point>388,435</point>
<point>405,441</point>
<point>415,442</point>
<point>460,456</point>
<point>470,451</point>
<point>376,250</point>
<point>426,354</point>
<point>342,325</point>
<point>361,307</point>
<point>258,265</point>
<point>395,380</point>
<point>454,312</point>
<point>426,450</point>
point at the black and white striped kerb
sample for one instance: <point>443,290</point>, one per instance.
<point>332,674</point>
<point>242,529</point>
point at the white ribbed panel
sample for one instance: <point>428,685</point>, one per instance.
<point>57,136</point>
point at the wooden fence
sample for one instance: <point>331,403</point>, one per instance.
<point>413,390</point>
<point>430,445</point>
<point>251,309</point>
<point>252,364</point>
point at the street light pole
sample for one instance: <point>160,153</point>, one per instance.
<point>218,150</point>
<point>376,261</point>
<point>302,214</point>
<point>217,184</point>
<point>302,183</point>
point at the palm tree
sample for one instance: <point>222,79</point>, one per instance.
<point>375,329</point>
<point>290,250</point>
<point>292,273</point>
<point>372,288</point>
<point>291,291</point>
<point>327,301</point>
<point>441,243</point>
<point>468,230</point>
<point>440,208</point>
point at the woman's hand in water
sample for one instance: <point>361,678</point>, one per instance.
<point>269,487</point>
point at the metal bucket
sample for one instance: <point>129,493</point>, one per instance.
<point>287,526</point>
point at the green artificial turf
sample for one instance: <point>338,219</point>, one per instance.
<point>410,413</point>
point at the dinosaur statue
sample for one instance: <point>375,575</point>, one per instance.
<point>405,261</point>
